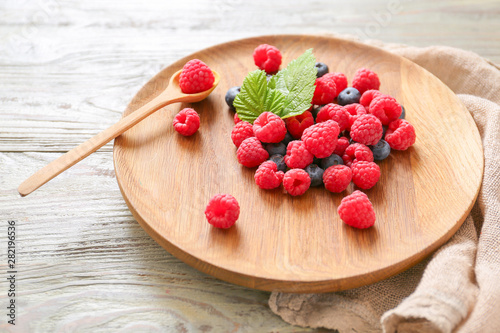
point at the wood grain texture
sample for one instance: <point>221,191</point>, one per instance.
<point>68,69</point>
<point>299,244</point>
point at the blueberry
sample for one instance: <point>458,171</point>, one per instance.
<point>287,139</point>
<point>280,162</point>
<point>275,148</point>
<point>403,113</point>
<point>315,110</point>
<point>381,150</point>
<point>348,96</point>
<point>231,95</point>
<point>322,69</point>
<point>333,159</point>
<point>315,173</point>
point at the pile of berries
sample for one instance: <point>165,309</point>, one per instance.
<point>335,142</point>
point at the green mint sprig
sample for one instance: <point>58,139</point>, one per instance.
<point>289,93</point>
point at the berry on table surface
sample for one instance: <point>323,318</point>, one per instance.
<point>267,176</point>
<point>196,77</point>
<point>267,58</point>
<point>355,110</point>
<point>342,144</point>
<point>222,211</point>
<point>348,96</point>
<point>315,173</point>
<point>241,131</point>
<point>322,69</point>
<point>381,150</point>
<point>366,129</point>
<point>357,211</point>
<point>288,138</point>
<point>337,178</point>
<point>296,182</point>
<point>280,162</point>
<point>296,125</point>
<point>275,148</point>
<point>385,108</point>
<point>236,118</point>
<point>297,155</point>
<point>365,174</point>
<point>269,127</point>
<point>334,112</point>
<point>250,153</point>
<point>325,91</point>
<point>400,135</point>
<point>186,122</point>
<point>403,113</point>
<point>340,81</point>
<point>365,79</point>
<point>331,160</point>
<point>368,96</point>
<point>321,138</point>
<point>357,152</point>
<point>231,95</point>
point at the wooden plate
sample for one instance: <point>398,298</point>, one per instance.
<point>300,244</point>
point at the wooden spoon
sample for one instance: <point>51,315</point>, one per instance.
<point>172,94</point>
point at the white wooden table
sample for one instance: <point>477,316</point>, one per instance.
<point>67,70</point>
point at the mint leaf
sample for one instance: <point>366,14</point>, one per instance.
<point>296,82</point>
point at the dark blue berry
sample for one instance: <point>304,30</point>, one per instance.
<point>315,173</point>
<point>403,113</point>
<point>231,95</point>
<point>381,150</point>
<point>384,129</point>
<point>322,69</point>
<point>287,139</point>
<point>333,159</point>
<point>348,96</point>
<point>280,162</point>
<point>315,110</point>
<point>275,148</point>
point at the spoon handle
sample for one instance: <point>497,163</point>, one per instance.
<point>78,153</point>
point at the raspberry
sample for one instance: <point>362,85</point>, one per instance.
<point>186,122</point>
<point>196,77</point>
<point>296,182</point>
<point>400,135</point>
<point>355,110</point>
<point>365,174</point>
<point>365,79</point>
<point>357,211</point>
<point>241,131</point>
<point>236,119</point>
<point>297,156</point>
<point>222,211</point>
<point>267,58</point>
<point>367,129</point>
<point>334,112</point>
<point>325,91</point>
<point>337,178</point>
<point>357,152</point>
<point>267,177</point>
<point>342,144</point>
<point>269,127</point>
<point>296,125</point>
<point>385,108</point>
<point>321,138</point>
<point>250,153</point>
<point>340,81</point>
<point>368,96</point>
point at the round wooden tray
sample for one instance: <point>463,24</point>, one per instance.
<point>299,244</point>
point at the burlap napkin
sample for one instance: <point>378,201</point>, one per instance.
<point>458,288</point>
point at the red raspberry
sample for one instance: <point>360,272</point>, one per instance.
<point>357,152</point>
<point>321,138</point>
<point>342,144</point>
<point>236,119</point>
<point>296,125</point>
<point>196,77</point>
<point>250,153</point>
<point>367,129</point>
<point>365,174</point>
<point>297,156</point>
<point>267,58</point>
<point>355,110</point>
<point>357,211</point>
<point>400,135</point>
<point>334,112</point>
<point>368,97</point>
<point>186,122</point>
<point>325,91</point>
<point>222,211</point>
<point>267,175</point>
<point>340,81</point>
<point>269,128</point>
<point>365,79</point>
<point>296,182</point>
<point>241,131</point>
<point>337,178</point>
<point>385,108</point>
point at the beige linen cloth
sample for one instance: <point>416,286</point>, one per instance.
<point>457,289</point>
